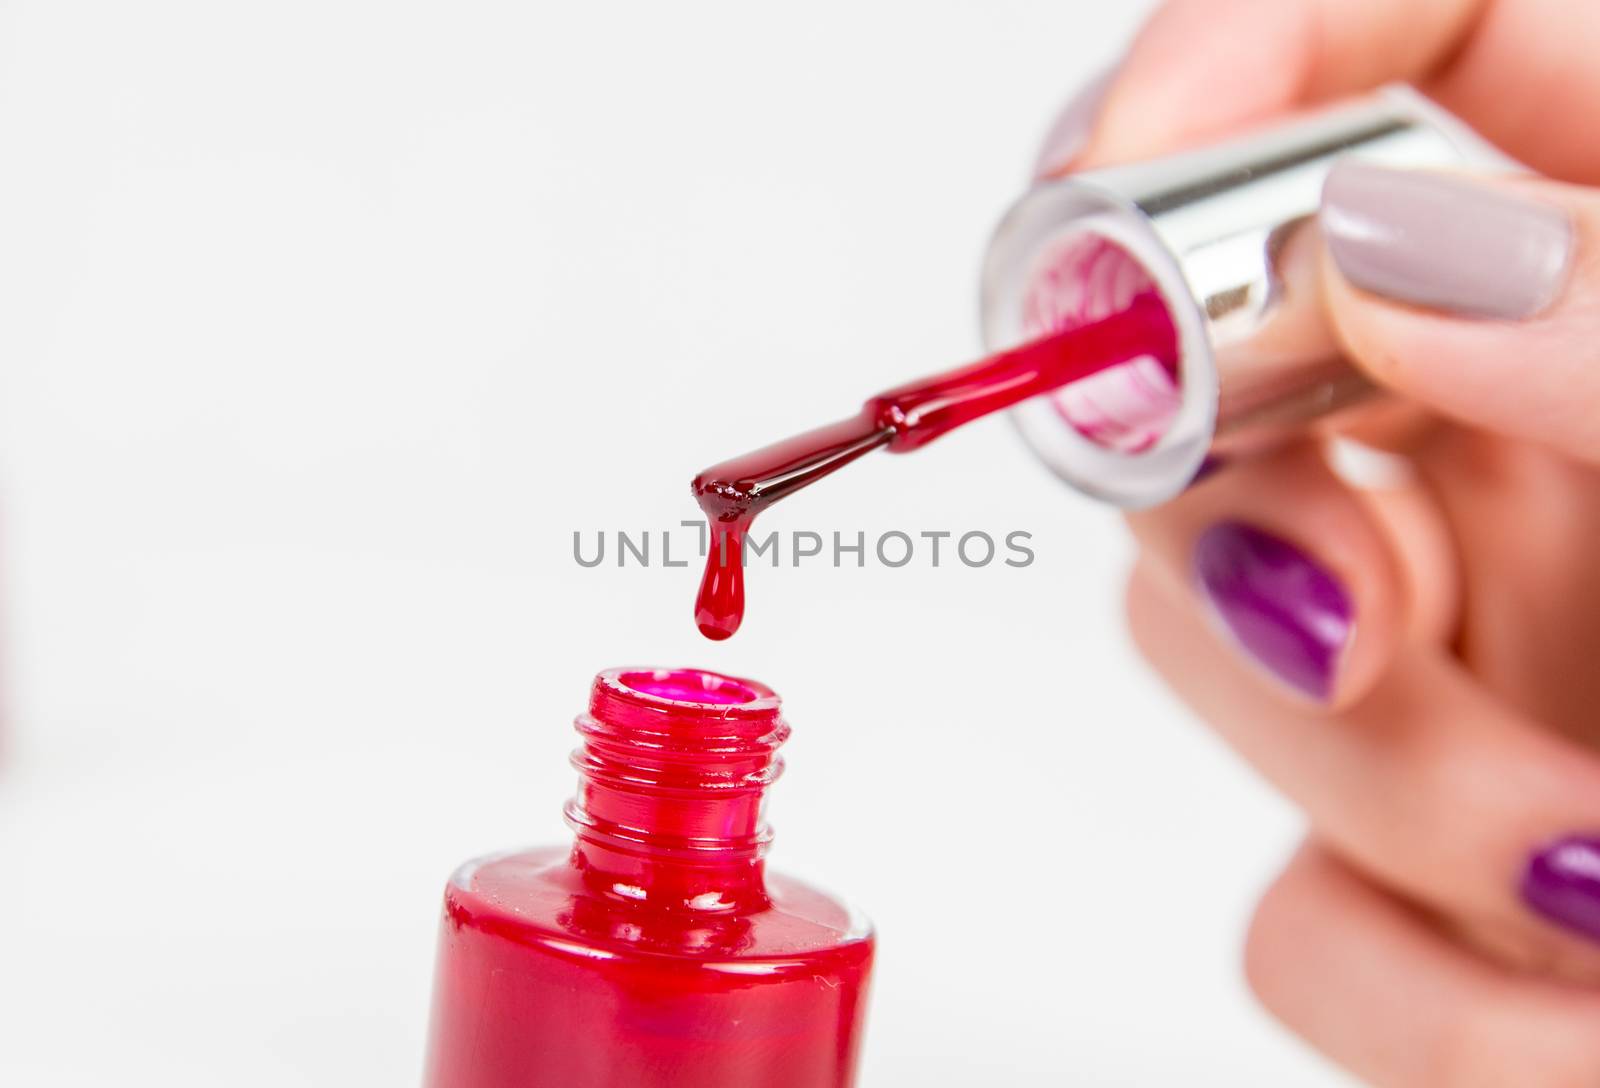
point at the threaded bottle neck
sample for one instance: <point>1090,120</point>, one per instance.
<point>672,769</point>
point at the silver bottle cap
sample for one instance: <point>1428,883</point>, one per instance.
<point>1216,232</point>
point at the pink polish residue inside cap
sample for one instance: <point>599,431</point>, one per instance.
<point>1127,407</point>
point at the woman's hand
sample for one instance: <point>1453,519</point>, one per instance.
<point>1408,642</point>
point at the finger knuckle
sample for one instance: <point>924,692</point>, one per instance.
<point>1267,956</point>
<point>1143,610</point>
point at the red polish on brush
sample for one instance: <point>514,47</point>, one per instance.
<point>732,493</point>
<point>656,951</point>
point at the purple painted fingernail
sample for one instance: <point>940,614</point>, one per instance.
<point>1071,129</point>
<point>1285,609</point>
<point>1562,883</point>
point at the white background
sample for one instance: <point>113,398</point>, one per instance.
<point>323,325</point>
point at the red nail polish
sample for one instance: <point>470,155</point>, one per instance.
<point>1138,331</point>
<point>657,951</point>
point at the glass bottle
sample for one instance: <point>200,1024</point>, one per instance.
<point>656,951</point>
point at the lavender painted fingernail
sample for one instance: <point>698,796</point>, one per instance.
<point>1562,883</point>
<point>1291,615</point>
<point>1445,242</point>
<point>1070,131</point>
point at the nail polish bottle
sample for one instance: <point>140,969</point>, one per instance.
<point>656,951</point>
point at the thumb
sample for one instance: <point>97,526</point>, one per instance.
<point>1477,297</point>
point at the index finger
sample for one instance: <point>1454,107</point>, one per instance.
<point>1201,68</point>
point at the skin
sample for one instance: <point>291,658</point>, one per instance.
<point>1463,732</point>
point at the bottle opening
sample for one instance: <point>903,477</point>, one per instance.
<point>1087,277</point>
<point>671,771</point>
<point>691,686</point>
<point>683,710</point>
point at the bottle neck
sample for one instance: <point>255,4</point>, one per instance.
<point>672,771</point>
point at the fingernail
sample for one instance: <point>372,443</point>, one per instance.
<point>1445,242</point>
<point>1562,883</point>
<point>1283,608</point>
<point>1070,131</point>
